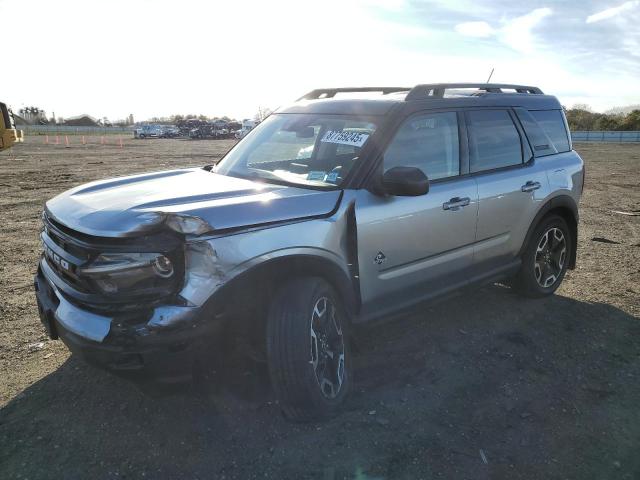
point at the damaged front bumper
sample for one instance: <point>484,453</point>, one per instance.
<point>157,343</point>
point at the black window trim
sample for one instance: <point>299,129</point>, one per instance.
<point>370,171</point>
<point>525,146</point>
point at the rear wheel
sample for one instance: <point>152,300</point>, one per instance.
<point>545,260</point>
<point>307,349</point>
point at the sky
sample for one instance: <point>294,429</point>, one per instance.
<point>159,57</point>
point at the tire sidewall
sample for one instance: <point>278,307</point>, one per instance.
<point>529,257</point>
<point>299,296</point>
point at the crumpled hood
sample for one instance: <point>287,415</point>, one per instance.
<point>128,206</point>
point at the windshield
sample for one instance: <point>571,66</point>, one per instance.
<point>305,149</point>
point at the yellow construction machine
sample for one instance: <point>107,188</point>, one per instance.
<point>9,135</point>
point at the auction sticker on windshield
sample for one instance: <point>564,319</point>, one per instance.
<point>316,176</point>
<point>342,137</point>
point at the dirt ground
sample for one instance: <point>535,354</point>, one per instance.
<point>486,385</point>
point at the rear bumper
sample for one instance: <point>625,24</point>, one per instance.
<point>125,343</point>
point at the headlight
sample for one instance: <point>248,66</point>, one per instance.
<point>130,272</point>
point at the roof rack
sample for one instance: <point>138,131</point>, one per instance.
<point>437,90</point>
<point>422,91</point>
<point>331,92</point>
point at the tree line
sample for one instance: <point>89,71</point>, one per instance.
<point>263,112</point>
<point>580,117</point>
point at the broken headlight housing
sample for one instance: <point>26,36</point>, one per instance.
<point>132,273</point>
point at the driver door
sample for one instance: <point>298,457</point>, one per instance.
<point>412,248</point>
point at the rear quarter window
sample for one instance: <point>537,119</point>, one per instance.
<point>552,123</point>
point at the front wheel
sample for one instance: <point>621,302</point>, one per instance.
<point>546,258</point>
<point>307,349</point>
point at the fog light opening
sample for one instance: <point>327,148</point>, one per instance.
<point>107,286</point>
<point>163,266</point>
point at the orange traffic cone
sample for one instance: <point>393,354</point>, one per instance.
<point>57,140</point>
<point>66,141</point>
<point>46,139</point>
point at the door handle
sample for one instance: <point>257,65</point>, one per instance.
<point>456,203</point>
<point>530,186</point>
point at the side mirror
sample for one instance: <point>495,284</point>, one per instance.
<point>405,182</point>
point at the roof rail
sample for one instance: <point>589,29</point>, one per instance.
<point>436,90</point>
<point>331,92</point>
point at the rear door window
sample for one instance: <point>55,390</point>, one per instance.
<point>552,123</point>
<point>494,141</point>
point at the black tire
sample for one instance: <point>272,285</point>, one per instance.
<point>290,349</point>
<point>141,136</point>
<point>533,281</point>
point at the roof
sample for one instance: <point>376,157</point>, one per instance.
<point>343,106</point>
<point>379,101</point>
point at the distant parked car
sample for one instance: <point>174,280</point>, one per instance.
<point>197,133</point>
<point>169,131</point>
<point>148,131</point>
<point>208,131</point>
<point>247,126</point>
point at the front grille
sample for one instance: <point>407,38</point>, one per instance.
<point>69,277</point>
<point>65,266</point>
<point>64,243</point>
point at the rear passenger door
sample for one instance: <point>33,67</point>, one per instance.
<point>510,186</point>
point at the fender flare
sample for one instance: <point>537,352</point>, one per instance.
<point>299,262</point>
<point>566,207</point>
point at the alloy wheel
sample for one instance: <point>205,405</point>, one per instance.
<point>551,254</point>
<point>327,348</point>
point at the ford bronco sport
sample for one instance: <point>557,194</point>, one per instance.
<point>333,212</point>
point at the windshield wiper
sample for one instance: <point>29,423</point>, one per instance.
<point>255,176</point>
<point>270,177</point>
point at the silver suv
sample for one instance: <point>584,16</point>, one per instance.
<point>333,212</point>
<point>148,131</point>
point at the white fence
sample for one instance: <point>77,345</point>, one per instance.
<point>64,130</point>
<point>605,136</point>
